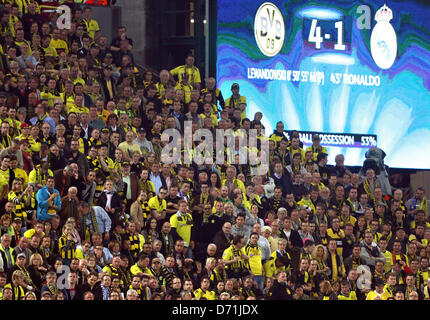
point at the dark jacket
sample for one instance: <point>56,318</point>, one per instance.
<point>81,160</point>
<point>284,182</point>
<point>116,203</point>
<point>60,184</point>
<point>134,181</point>
<point>56,163</point>
<point>96,290</point>
<point>280,291</point>
<point>105,89</point>
<point>221,242</point>
<point>295,238</point>
<point>69,209</point>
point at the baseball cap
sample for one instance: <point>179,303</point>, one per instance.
<point>105,130</point>
<point>266,228</point>
<point>125,164</point>
<point>21,255</point>
<point>380,203</point>
<point>141,130</point>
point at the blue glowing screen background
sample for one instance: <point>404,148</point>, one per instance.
<point>334,90</point>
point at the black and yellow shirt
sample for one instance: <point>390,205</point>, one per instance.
<point>230,253</point>
<point>5,141</point>
<point>148,187</point>
<point>134,244</point>
<point>66,248</point>
<point>209,295</point>
<point>155,203</point>
<point>94,163</point>
<point>18,199</point>
<point>51,96</point>
<point>18,291</point>
<point>136,269</point>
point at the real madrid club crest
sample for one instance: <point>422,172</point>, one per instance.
<point>383,41</point>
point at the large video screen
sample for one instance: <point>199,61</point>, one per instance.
<point>341,68</point>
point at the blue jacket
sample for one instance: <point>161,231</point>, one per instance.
<point>42,197</point>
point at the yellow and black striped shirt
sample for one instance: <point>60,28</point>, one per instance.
<point>19,204</point>
<point>67,248</point>
<point>94,163</point>
<point>134,244</point>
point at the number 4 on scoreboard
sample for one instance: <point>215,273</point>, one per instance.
<point>315,34</point>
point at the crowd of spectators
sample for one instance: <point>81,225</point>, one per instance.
<point>89,211</point>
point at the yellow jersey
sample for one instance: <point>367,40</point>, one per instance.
<point>193,73</point>
<point>209,295</point>
<point>255,259</point>
<point>182,222</point>
<point>372,295</point>
<point>154,204</point>
<point>59,45</point>
<point>92,27</point>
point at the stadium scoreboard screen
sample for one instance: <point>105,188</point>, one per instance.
<point>356,72</point>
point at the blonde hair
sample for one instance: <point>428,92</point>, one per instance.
<point>30,293</point>
<point>68,225</point>
<point>70,220</point>
<point>209,261</point>
<point>17,274</point>
<point>314,252</point>
<point>282,240</point>
<point>326,288</point>
<point>228,204</point>
<point>34,256</point>
<point>15,181</point>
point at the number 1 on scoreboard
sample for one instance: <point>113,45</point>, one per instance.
<point>339,45</point>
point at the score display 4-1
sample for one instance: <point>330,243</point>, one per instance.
<point>317,36</point>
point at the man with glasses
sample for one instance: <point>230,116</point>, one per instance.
<point>114,296</point>
<point>156,271</point>
<point>175,290</point>
<point>158,205</point>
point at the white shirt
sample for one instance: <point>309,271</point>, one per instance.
<point>109,199</point>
